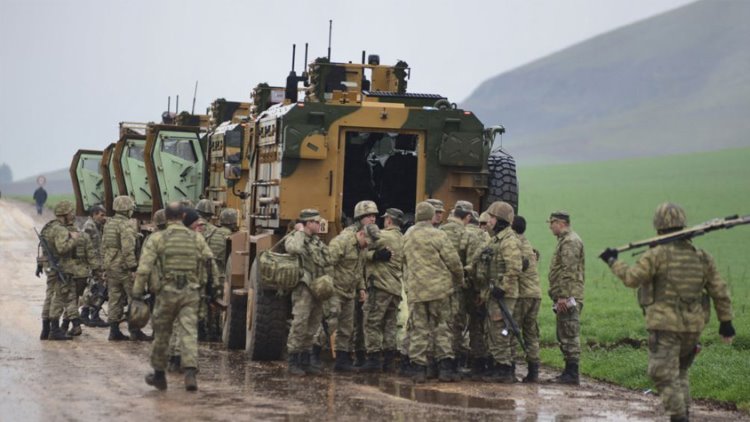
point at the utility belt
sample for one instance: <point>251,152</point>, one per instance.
<point>179,280</point>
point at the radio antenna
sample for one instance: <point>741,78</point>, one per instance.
<point>195,92</point>
<point>330,30</point>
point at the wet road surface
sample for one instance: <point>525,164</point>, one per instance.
<point>90,378</point>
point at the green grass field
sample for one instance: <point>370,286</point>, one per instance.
<point>52,200</point>
<point>612,203</point>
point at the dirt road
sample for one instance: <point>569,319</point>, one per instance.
<point>92,379</point>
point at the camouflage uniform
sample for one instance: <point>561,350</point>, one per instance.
<point>529,300</point>
<point>62,297</point>
<point>307,311</point>
<point>432,269</point>
<point>216,237</point>
<point>384,280</point>
<point>566,278</point>
<point>477,346</point>
<point>118,244</point>
<point>94,232</point>
<point>178,256</point>
<point>59,240</point>
<point>498,265</point>
<point>78,268</point>
<point>674,283</point>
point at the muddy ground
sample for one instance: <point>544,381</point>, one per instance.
<point>92,379</point>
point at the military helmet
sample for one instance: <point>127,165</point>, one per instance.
<point>160,217</point>
<point>502,211</point>
<point>138,314</point>
<point>228,217</point>
<point>424,211</point>
<point>123,203</point>
<point>205,206</point>
<point>364,208</point>
<point>484,217</point>
<point>322,287</point>
<point>63,208</point>
<point>669,216</point>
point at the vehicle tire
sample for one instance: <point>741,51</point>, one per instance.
<point>502,180</point>
<point>266,338</point>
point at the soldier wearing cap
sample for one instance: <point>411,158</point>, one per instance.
<point>347,254</point>
<point>674,280</point>
<point>62,243</point>
<point>307,310</point>
<point>384,273</point>
<point>437,219</point>
<point>432,269</point>
<point>216,237</point>
<point>566,279</point>
<point>529,300</point>
<point>93,227</point>
<point>483,219</point>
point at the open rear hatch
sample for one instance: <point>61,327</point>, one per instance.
<point>87,181</point>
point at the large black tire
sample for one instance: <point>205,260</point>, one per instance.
<point>266,338</point>
<point>503,182</point>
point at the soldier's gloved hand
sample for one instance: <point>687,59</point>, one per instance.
<point>726,329</point>
<point>609,256</point>
<point>498,293</point>
<point>382,255</point>
<point>39,270</point>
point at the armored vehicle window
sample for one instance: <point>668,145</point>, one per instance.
<point>233,139</point>
<point>91,164</point>
<point>179,147</point>
<point>136,151</point>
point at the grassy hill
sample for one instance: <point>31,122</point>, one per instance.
<point>58,183</point>
<point>611,203</point>
<point>675,83</point>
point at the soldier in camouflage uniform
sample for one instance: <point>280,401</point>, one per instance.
<point>62,243</point>
<point>673,282</point>
<point>529,300</point>
<point>466,243</point>
<point>484,218</point>
<point>432,269</point>
<point>93,227</point>
<point>178,256</point>
<point>78,268</point>
<point>216,237</point>
<point>384,272</point>
<point>437,219</point>
<point>118,244</point>
<point>566,279</point>
<point>307,310</point>
<point>475,311</point>
<point>496,268</point>
<point>347,253</point>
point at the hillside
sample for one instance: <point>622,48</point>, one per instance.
<point>675,83</point>
<point>58,182</point>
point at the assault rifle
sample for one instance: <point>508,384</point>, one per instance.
<point>510,323</point>
<point>210,299</point>
<point>688,233</point>
<point>50,258</point>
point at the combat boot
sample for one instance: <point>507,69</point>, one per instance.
<point>138,335</point>
<point>157,379</point>
<point>675,418</point>
<point>432,370</point>
<point>388,358</point>
<point>419,374</point>
<point>191,384</point>
<point>569,375</point>
<point>174,364</point>
<point>504,374</point>
<point>55,333</point>
<point>65,325</point>
<point>372,363</point>
<point>478,368</point>
<point>404,367</point>
<point>115,334</point>
<point>447,372</point>
<point>85,316</point>
<point>343,362</point>
<point>533,373</point>
<point>315,357</point>
<point>95,320</point>
<point>294,367</point>
<point>76,330</point>
<point>45,330</point>
<point>360,358</point>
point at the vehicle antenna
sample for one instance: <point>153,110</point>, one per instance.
<point>195,92</point>
<point>330,29</point>
<point>294,53</point>
<point>169,103</point>
<point>177,105</point>
<point>304,67</point>
<point>363,56</point>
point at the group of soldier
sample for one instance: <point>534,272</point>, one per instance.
<point>464,279</point>
<point>180,267</point>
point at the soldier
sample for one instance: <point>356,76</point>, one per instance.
<point>178,256</point>
<point>78,268</point>
<point>93,227</point>
<point>307,310</point>
<point>433,268</point>
<point>496,268</point>
<point>216,237</point>
<point>475,312</point>
<point>529,300</point>
<point>566,279</point>
<point>466,243</point>
<point>437,219</point>
<point>118,244</point>
<point>384,272</point>
<point>62,242</point>
<point>483,219</point>
<point>673,282</point>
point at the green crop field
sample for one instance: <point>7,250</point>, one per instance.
<point>52,200</point>
<point>612,203</point>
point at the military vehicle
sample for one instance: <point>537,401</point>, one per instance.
<point>87,180</point>
<point>109,181</point>
<point>356,134</point>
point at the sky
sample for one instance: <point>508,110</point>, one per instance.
<point>70,71</point>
